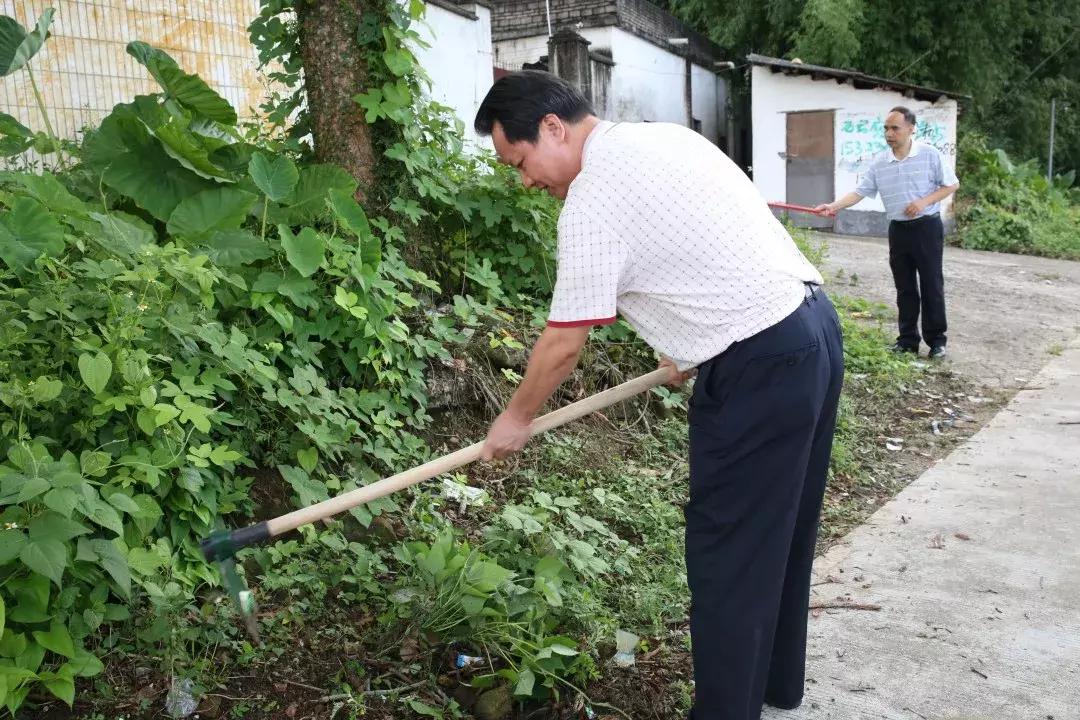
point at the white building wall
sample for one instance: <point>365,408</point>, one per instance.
<point>647,84</point>
<point>857,133</point>
<point>646,81</point>
<point>458,61</point>
<point>512,54</point>
<point>705,100</point>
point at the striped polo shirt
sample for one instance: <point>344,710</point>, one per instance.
<point>902,181</point>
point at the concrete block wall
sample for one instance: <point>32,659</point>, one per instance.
<point>652,23</point>
<point>512,19</point>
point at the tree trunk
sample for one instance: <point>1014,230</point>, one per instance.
<point>335,71</point>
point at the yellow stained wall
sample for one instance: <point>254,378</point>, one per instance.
<point>83,70</point>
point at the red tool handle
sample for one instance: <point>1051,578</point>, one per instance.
<point>799,208</point>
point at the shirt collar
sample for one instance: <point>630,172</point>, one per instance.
<point>601,127</point>
<point>915,145</point>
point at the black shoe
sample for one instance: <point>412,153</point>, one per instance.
<point>901,348</point>
<point>937,352</point>
<point>782,705</point>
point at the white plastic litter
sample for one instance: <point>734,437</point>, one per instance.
<point>462,493</point>
<point>625,644</point>
<point>181,702</point>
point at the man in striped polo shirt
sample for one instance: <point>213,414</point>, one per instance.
<point>661,227</point>
<point>912,179</point>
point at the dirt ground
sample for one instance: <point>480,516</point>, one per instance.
<point>1007,313</point>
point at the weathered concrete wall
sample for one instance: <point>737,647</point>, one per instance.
<point>528,18</point>
<point>647,84</point>
<point>858,136</point>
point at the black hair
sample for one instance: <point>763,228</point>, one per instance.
<point>909,116</point>
<point>520,100</point>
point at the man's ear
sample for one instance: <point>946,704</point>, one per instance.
<point>554,126</point>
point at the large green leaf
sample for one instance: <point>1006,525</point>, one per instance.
<point>11,542</point>
<point>124,130</point>
<point>149,56</point>
<point>60,683</point>
<point>121,233</point>
<point>95,370</point>
<point>185,148</point>
<point>308,490</point>
<point>45,557</point>
<point>353,218</point>
<point>277,178</point>
<point>30,488</point>
<point>15,138</point>
<point>487,576</point>
<point>14,681</point>
<point>191,91</point>
<point>235,157</point>
<point>51,525</point>
<point>217,209</point>
<point>62,500</point>
<point>525,682</point>
<point>135,164</point>
<point>94,463</point>
<point>17,46</point>
<point>114,560</point>
<point>46,389</point>
<point>10,126</point>
<point>158,191</point>
<point>144,562</point>
<point>232,248</point>
<point>123,502</point>
<point>85,664</point>
<point>103,515</point>
<point>51,193</point>
<point>307,202</point>
<point>31,596</point>
<point>305,251</point>
<point>293,286</point>
<point>217,135</point>
<point>56,639</point>
<point>349,212</point>
<point>13,644</point>
<point>28,231</point>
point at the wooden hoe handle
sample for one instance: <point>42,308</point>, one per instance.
<point>225,544</point>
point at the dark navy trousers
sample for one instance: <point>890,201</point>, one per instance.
<point>916,247</point>
<point>762,417</point>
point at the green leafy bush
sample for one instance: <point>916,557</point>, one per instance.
<point>1011,207</point>
<point>183,306</point>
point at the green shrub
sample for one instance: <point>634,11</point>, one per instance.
<point>189,303</point>
<point>1011,207</point>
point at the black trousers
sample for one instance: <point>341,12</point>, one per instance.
<point>916,247</point>
<point>762,417</point>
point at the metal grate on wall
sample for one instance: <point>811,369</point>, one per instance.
<point>83,70</point>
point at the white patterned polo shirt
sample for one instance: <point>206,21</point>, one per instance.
<point>661,227</point>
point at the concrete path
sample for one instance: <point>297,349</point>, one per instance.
<point>1007,313</point>
<point>976,569</point>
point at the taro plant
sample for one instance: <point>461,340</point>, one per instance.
<point>17,48</point>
